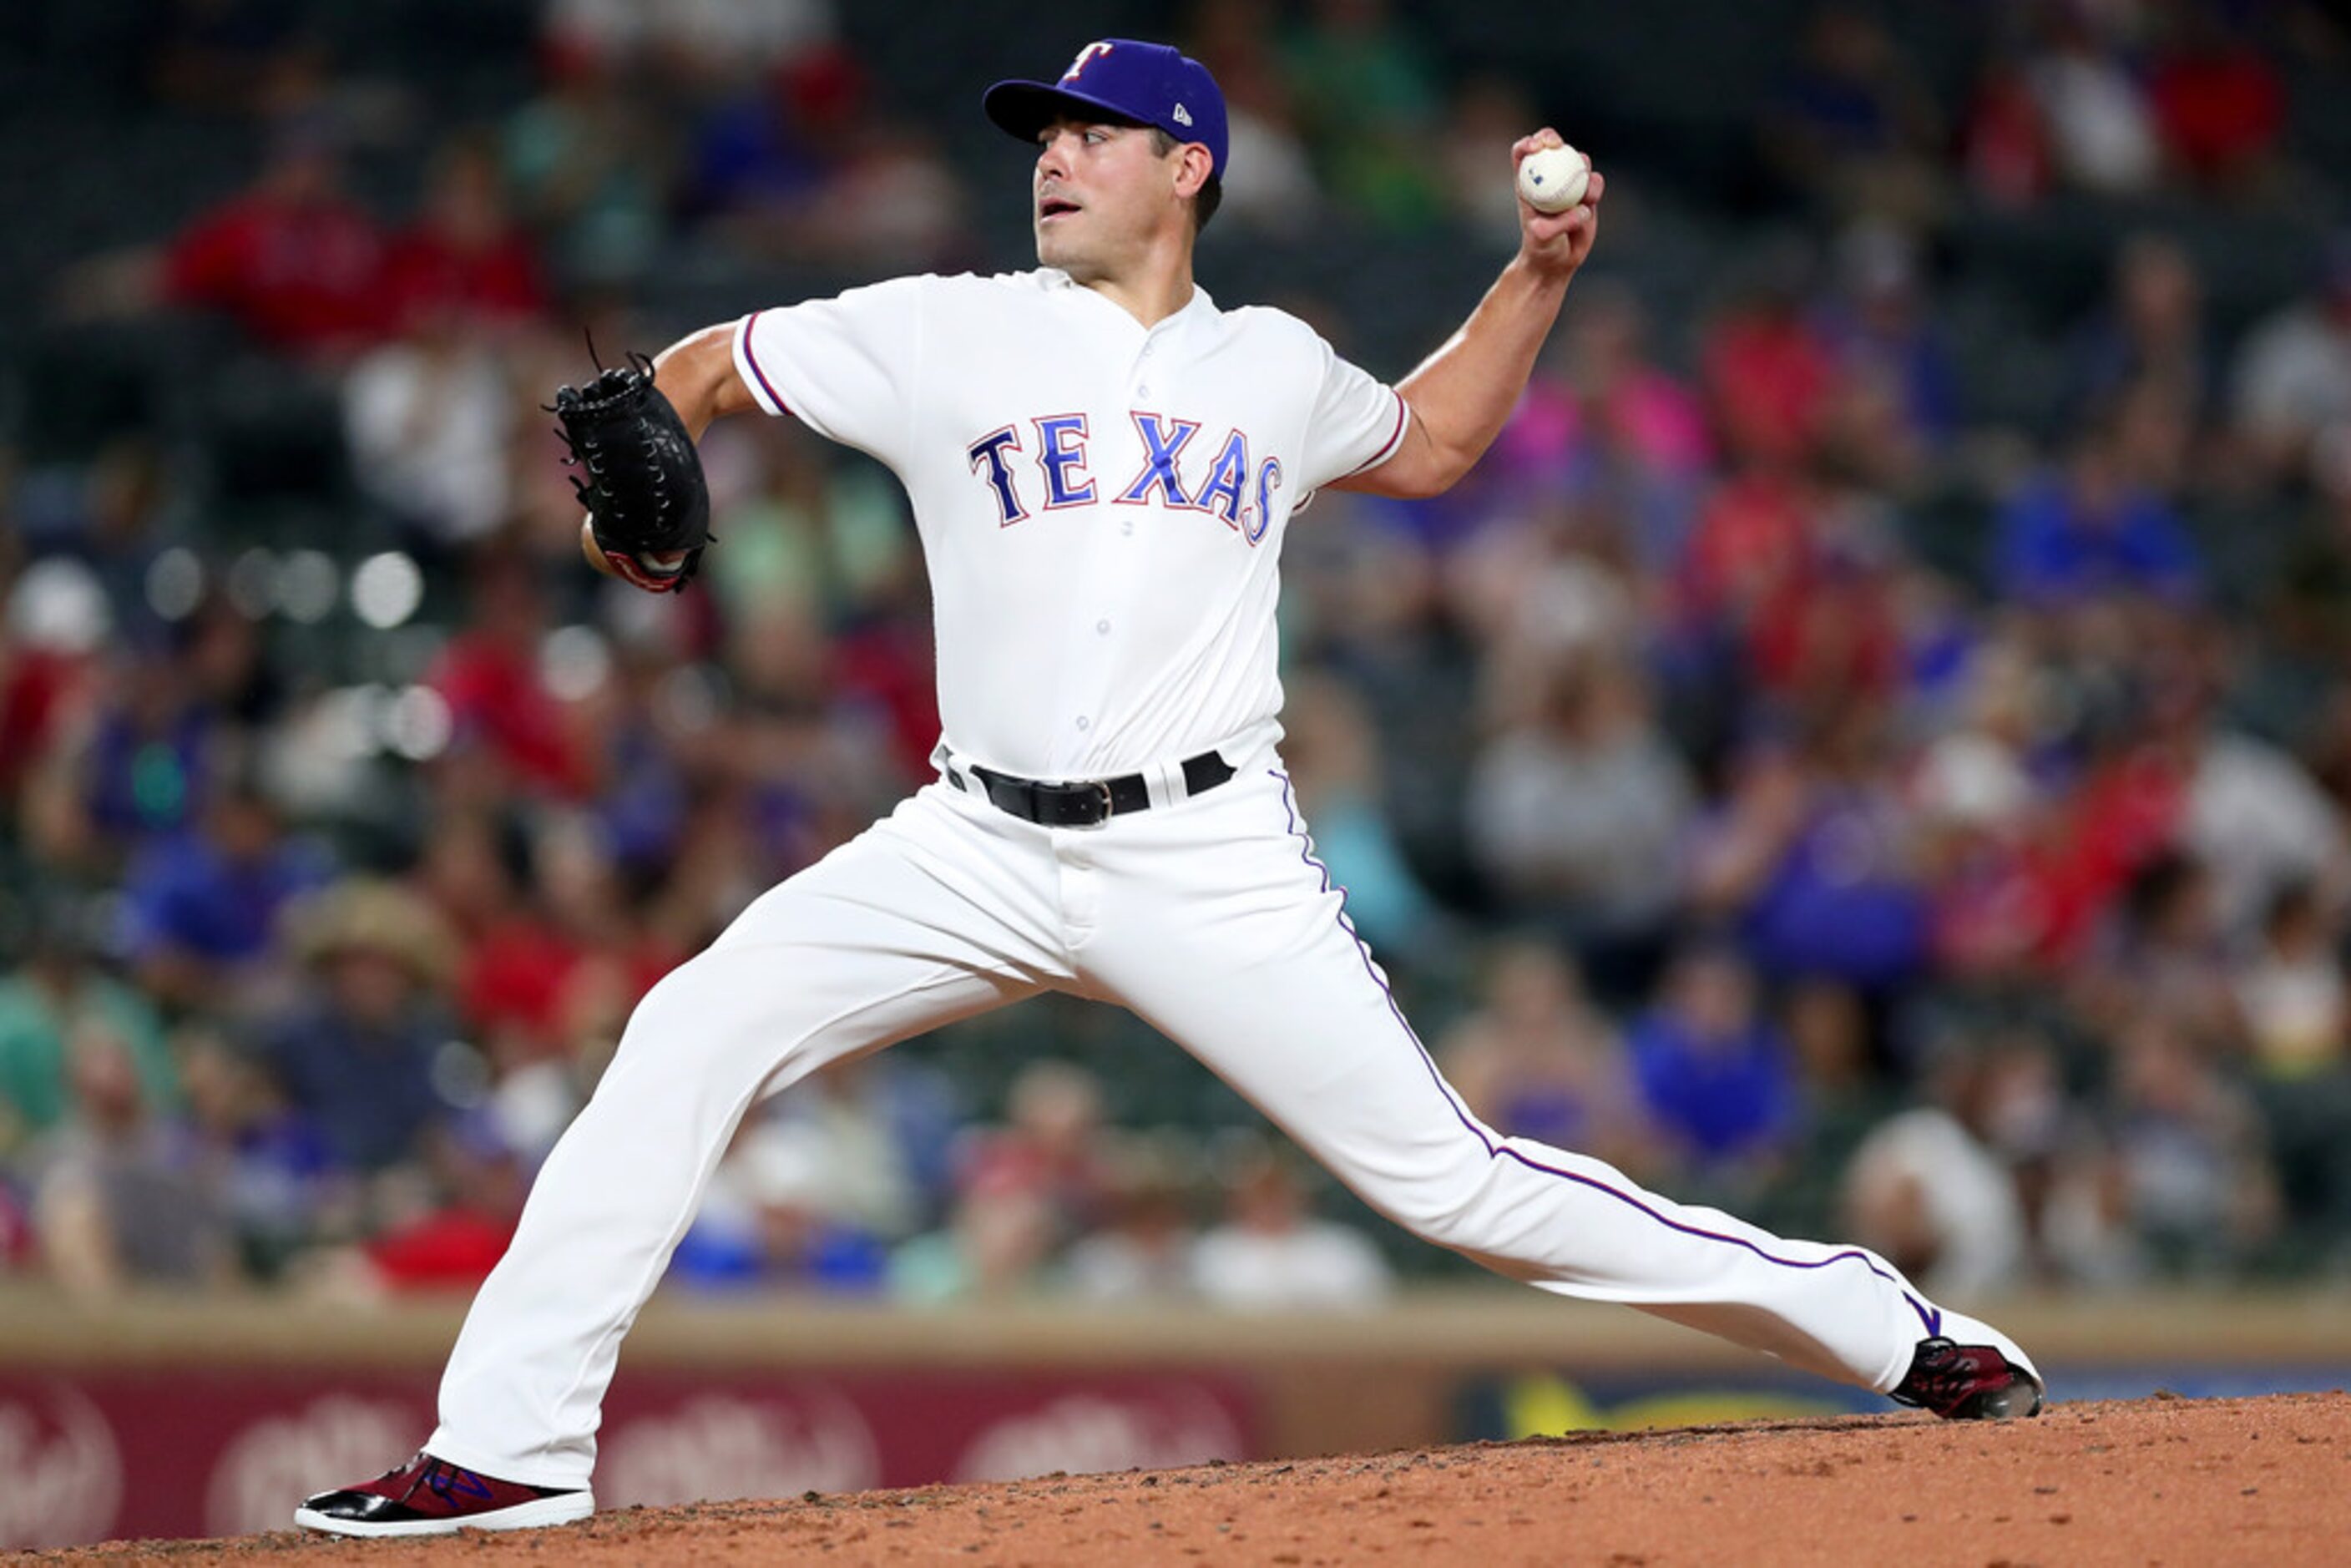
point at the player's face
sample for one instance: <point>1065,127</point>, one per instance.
<point>1101,194</point>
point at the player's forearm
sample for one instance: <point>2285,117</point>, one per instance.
<point>698,374</point>
<point>1464,394</point>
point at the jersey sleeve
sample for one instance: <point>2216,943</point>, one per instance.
<point>1357,424</point>
<point>846,367</point>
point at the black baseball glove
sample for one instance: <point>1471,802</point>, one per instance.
<point>643,482</point>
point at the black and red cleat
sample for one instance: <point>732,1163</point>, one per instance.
<point>432,1497</point>
<point>1969,1383</point>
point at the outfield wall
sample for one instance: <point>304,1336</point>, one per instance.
<point>164,1418</point>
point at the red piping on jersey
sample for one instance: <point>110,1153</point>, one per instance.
<point>1368,464</point>
<point>752,360</point>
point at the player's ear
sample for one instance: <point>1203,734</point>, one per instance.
<point>1194,164</point>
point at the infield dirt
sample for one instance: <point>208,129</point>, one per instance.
<point>2163,1480</point>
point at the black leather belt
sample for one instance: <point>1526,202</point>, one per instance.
<point>1087,802</point>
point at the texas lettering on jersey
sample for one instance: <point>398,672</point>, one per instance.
<point>1051,466</point>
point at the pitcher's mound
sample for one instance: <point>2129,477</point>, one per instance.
<point>2162,1480</point>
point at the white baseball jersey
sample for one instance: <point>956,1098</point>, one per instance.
<point>1101,502</point>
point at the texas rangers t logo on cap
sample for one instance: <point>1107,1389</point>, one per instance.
<point>1128,80</point>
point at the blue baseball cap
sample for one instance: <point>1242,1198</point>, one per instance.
<point>1150,84</point>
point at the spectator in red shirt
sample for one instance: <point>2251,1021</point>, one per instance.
<point>464,257</point>
<point>292,261</point>
<point>2219,106</point>
<point>1768,373</point>
<point>490,676</point>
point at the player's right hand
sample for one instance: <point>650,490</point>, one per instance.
<point>1557,242</point>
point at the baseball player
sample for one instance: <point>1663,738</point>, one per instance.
<point>1103,462</point>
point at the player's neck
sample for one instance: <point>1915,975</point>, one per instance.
<point>1155,288</point>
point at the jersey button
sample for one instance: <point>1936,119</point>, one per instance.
<point>1103,627</point>
<point>1084,723</point>
<point>1142,392</point>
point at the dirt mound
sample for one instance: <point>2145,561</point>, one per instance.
<point>2154,1481</point>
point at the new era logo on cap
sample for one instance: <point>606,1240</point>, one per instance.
<point>1125,79</point>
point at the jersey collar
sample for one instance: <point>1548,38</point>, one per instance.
<point>1199,307</point>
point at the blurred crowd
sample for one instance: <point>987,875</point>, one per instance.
<point>1774,771</point>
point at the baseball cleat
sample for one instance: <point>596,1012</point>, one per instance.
<point>1969,1382</point>
<point>432,1497</point>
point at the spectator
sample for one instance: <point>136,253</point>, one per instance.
<point>1051,1146</point>
<point>2190,1151</point>
<point>2297,1011</point>
<point>269,1165</point>
<point>495,681</point>
<point>363,1052</point>
<point>1537,1060</point>
<point>2149,332</point>
<point>460,1225</point>
<point>2219,102</point>
<point>429,420</point>
<point>2292,373</point>
<point>1929,1193</point>
<point>2164,952</point>
<point>136,763</point>
<point>586,163</point>
<point>1769,375</point>
<point>1271,1252</point>
<point>1602,419</point>
<point>2005,148</point>
<point>1271,184</point>
<point>1333,761</point>
<point>996,1245</point>
<point>120,1201</point>
<point>59,994</point>
<point>1371,108</point>
<point>293,262</point>
<point>2291,993</point>
<point>2100,126</point>
<point>1982,813</point>
<point>812,1192</point>
<point>1716,1075</point>
<point>464,265</point>
<point>1851,126</point>
<point>1576,804</point>
<point>2258,823</point>
<point>692,42</point>
<point>1818,859</point>
<point>763,156</point>
<point>201,909</point>
<point>2091,532</point>
<point>1144,1253</point>
<point>1896,399</point>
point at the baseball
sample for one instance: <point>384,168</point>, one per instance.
<point>1553,179</point>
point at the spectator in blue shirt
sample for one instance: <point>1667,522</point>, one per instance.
<point>1717,1075</point>
<point>360,1056</point>
<point>2092,532</point>
<point>201,908</point>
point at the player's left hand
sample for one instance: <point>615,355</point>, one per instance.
<point>640,477</point>
<point>1555,243</point>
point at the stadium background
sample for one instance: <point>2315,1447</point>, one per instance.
<point>1870,747</point>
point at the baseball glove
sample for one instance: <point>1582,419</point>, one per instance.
<point>644,489</point>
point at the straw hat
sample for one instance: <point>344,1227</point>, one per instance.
<point>367,914</point>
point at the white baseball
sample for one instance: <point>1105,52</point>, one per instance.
<point>1553,179</point>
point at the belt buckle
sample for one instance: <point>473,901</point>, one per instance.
<point>1109,805</point>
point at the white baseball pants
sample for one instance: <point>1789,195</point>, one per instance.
<point>1213,922</point>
